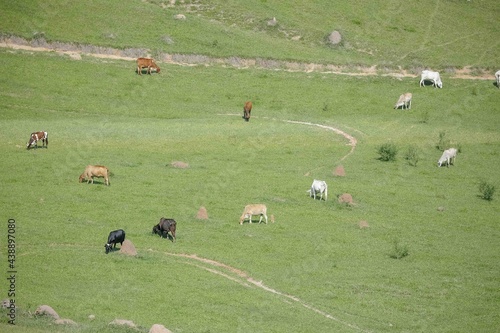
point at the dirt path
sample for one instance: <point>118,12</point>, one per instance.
<point>75,51</point>
<point>246,280</point>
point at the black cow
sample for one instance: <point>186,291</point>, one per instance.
<point>117,236</point>
<point>164,227</point>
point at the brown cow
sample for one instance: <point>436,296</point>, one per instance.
<point>247,109</point>
<point>165,225</point>
<point>146,63</point>
<point>92,171</point>
<point>35,136</point>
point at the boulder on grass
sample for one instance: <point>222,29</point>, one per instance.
<point>157,328</point>
<point>46,310</point>
<point>335,38</point>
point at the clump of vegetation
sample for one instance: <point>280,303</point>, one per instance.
<point>387,152</point>
<point>487,190</point>
<point>443,142</point>
<point>399,250</point>
<point>411,156</point>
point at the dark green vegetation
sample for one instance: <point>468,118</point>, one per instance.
<point>314,257</point>
<point>487,190</point>
<point>387,152</point>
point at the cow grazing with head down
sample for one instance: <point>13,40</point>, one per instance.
<point>250,210</point>
<point>404,101</point>
<point>318,187</point>
<point>164,227</point>
<point>448,157</point>
<point>35,137</point>
<point>92,171</point>
<point>431,76</point>
<point>116,236</point>
<point>146,63</point>
<point>247,109</point>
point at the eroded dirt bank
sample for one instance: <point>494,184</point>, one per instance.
<point>75,51</point>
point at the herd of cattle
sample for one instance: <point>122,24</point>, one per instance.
<point>318,187</point>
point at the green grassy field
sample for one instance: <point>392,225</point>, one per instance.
<point>439,34</point>
<point>314,269</point>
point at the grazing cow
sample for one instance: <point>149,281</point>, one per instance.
<point>448,157</point>
<point>251,210</point>
<point>164,227</point>
<point>404,101</point>
<point>497,77</point>
<point>92,171</point>
<point>318,187</point>
<point>146,63</point>
<point>431,76</point>
<point>247,109</point>
<point>117,236</point>
<point>35,136</point>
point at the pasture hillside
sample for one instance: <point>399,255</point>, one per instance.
<point>314,269</point>
<point>413,34</point>
<point>426,257</point>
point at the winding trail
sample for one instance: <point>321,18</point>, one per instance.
<point>352,140</point>
<point>246,280</point>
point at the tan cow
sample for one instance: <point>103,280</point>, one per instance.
<point>92,171</point>
<point>251,210</point>
<point>146,63</point>
<point>404,101</point>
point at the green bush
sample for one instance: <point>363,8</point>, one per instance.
<point>399,250</point>
<point>443,143</point>
<point>387,152</point>
<point>411,156</point>
<point>487,190</point>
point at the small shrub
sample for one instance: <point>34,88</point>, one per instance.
<point>387,152</point>
<point>487,190</point>
<point>399,250</point>
<point>411,156</point>
<point>443,143</point>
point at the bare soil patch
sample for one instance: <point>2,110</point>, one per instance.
<point>202,214</point>
<point>180,165</point>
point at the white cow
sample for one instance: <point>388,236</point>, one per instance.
<point>318,187</point>
<point>258,209</point>
<point>404,101</point>
<point>431,76</point>
<point>497,77</point>
<point>448,157</point>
